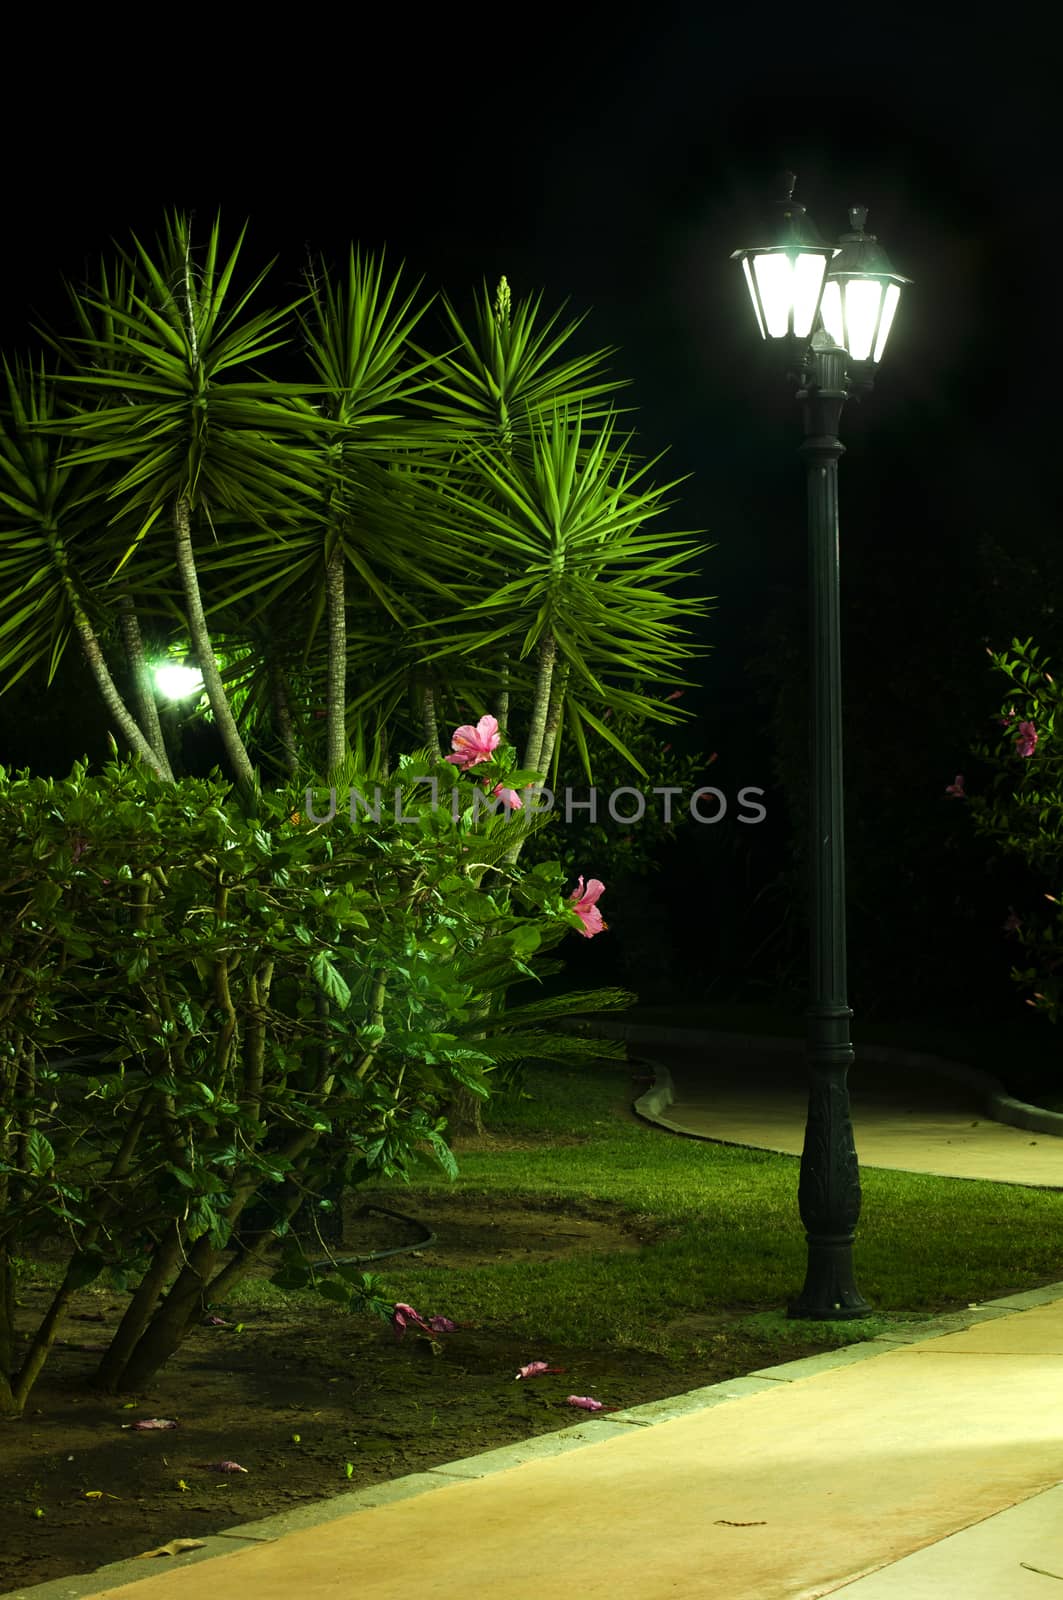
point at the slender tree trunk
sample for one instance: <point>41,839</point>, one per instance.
<point>138,1312</point>
<point>117,707</point>
<point>156,1340</point>
<point>171,1321</point>
<point>282,719</point>
<point>428,716</point>
<point>143,688</point>
<point>464,1113</point>
<point>336,703</point>
<point>238,1268</point>
<point>553,719</point>
<point>541,703</point>
<point>551,683</point>
<point>502,702</point>
<point>235,748</point>
<point>17,1392</point>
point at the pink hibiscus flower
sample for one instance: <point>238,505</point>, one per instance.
<point>956,789</point>
<point>510,796</point>
<point>473,745</point>
<point>584,904</point>
<point>1026,743</point>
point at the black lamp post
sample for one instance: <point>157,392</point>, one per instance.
<point>830,310</point>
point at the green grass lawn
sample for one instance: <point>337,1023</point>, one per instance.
<point>730,1232</point>
<point>725,1232</point>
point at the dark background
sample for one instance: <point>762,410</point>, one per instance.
<point>615,157</point>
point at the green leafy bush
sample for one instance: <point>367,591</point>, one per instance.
<point>1021,810</point>
<point>267,1004</point>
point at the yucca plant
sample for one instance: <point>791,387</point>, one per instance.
<point>404,535</point>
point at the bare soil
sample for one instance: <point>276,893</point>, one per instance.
<point>311,1402</point>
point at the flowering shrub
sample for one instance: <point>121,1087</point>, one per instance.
<point>1021,810</point>
<point>267,1004</point>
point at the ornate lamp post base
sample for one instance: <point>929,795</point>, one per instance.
<point>829,1196</point>
<point>829,1294</point>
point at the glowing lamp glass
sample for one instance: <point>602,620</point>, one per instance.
<point>175,681</point>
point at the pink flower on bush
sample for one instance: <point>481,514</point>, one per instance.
<point>584,904</point>
<point>473,745</point>
<point>1011,923</point>
<point>510,796</point>
<point>956,789</point>
<point>1026,743</point>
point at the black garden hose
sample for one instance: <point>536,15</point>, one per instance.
<point>379,1255</point>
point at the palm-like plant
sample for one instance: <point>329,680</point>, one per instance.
<point>402,535</point>
<point>50,565</point>
<point>565,570</point>
<point>182,441</point>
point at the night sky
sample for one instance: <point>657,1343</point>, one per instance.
<point>615,158</point>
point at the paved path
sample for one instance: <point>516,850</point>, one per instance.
<point>903,1118</point>
<point>922,1465</point>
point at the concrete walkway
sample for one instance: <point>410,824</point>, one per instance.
<point>915,1465</point>
<point>910,1112</point>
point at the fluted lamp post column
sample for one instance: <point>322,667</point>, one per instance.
<point>829,311</point>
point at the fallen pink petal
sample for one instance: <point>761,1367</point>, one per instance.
<point>405,1316</point>
<point>402,1317</point>
<point>223,1466</point>
<point>217,1322</point>
<point>585,1402</point>
<point>535,1369</point>
<point>151,1422</point>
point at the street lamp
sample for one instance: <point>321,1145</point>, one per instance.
<point>176,681</point>
<point>829,310</point>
